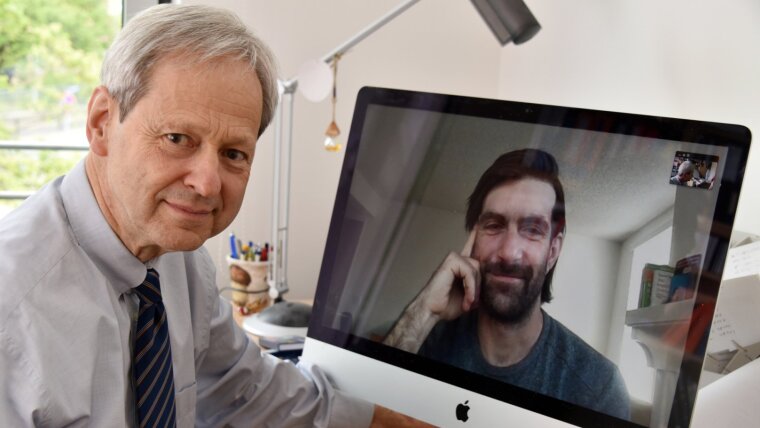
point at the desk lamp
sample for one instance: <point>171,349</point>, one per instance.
<point>509,20</point>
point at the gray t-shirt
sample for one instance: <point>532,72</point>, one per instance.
<point>560,364</point>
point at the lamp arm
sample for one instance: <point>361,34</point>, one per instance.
<point>279,260</point>
<point>361,35</point>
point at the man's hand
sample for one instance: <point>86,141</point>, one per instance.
<point>454,287</point>
<point>387,418</point>
<point>452,290</point>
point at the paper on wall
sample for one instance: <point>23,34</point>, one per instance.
<point>742,261</point>
<point>737,315</point>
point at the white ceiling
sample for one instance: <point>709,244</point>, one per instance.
<point>614,184</point>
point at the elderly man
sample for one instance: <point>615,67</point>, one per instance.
<point>110,313</point>
<point>481,309</point>
<point>684,175</point>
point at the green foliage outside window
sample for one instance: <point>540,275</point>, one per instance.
<point>23,170</point>
<point>50,56</point>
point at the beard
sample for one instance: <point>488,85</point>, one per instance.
<point>508,304</point>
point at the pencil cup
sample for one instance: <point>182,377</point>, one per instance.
<point>250,291</point>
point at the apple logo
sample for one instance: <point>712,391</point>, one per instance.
<point>462,410</point>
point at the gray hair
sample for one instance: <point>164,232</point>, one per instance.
<point>686,166</point>
<point>198,33</point>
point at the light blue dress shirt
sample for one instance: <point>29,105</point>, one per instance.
<point>65,324</point>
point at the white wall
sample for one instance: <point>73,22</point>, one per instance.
<point>583,287</point>
<point>696,59</point>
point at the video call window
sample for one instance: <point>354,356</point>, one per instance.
<point>694,170</point>
<point>406,211</point>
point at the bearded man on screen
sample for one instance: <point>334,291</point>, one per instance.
<point>481,310</point>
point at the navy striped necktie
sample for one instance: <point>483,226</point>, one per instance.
<point>152,358</point>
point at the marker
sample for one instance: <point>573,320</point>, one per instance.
<point>233,246</point>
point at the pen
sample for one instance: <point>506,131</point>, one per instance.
<point>233,246</point>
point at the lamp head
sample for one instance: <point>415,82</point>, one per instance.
<point>509,20</point>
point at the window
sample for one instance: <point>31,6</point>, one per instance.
<point>50,56</point>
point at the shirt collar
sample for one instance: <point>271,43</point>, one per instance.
<point>123,270</point>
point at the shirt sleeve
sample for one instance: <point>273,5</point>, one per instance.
<point>21,393</point>
<point>237,385</point>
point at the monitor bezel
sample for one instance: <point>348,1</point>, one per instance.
<point>735,138</point>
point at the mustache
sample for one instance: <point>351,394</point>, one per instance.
<point>508,269</point>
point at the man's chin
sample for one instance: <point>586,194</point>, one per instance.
<point>511,316</point>
<point>183,240</point>
<point>506,307</point>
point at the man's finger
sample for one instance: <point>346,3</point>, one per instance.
<point>467,250</point>
<point>470,283</point>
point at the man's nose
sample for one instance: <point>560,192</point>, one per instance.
<point>204,175</point>
<point>510,246</point>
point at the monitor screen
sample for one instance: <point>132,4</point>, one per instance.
<point>562,261</point>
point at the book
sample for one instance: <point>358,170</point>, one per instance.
<point>684,279</point>
<point>655,284</point>
<point>662,276</point>
<point>645,292</point>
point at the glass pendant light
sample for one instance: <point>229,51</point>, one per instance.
<point>331,134</point>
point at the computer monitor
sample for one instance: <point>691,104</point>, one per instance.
<point>432,183</point>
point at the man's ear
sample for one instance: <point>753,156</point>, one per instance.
<point>100,110</point>
<point>554,249</point>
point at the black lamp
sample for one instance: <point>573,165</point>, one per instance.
<point>509,20</point>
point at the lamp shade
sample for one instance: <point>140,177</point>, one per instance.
<point>509,20</point>
<point>315,80</point>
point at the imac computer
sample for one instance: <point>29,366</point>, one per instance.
<point>495,263</point>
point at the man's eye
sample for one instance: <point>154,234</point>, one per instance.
<point>176,138</point>
<point>534,231</point>
<point>492,226</point>
<point>235,155</point>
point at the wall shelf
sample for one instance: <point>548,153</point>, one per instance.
<point>666,313</point>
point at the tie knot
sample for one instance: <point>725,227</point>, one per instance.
<point>149,291</point>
